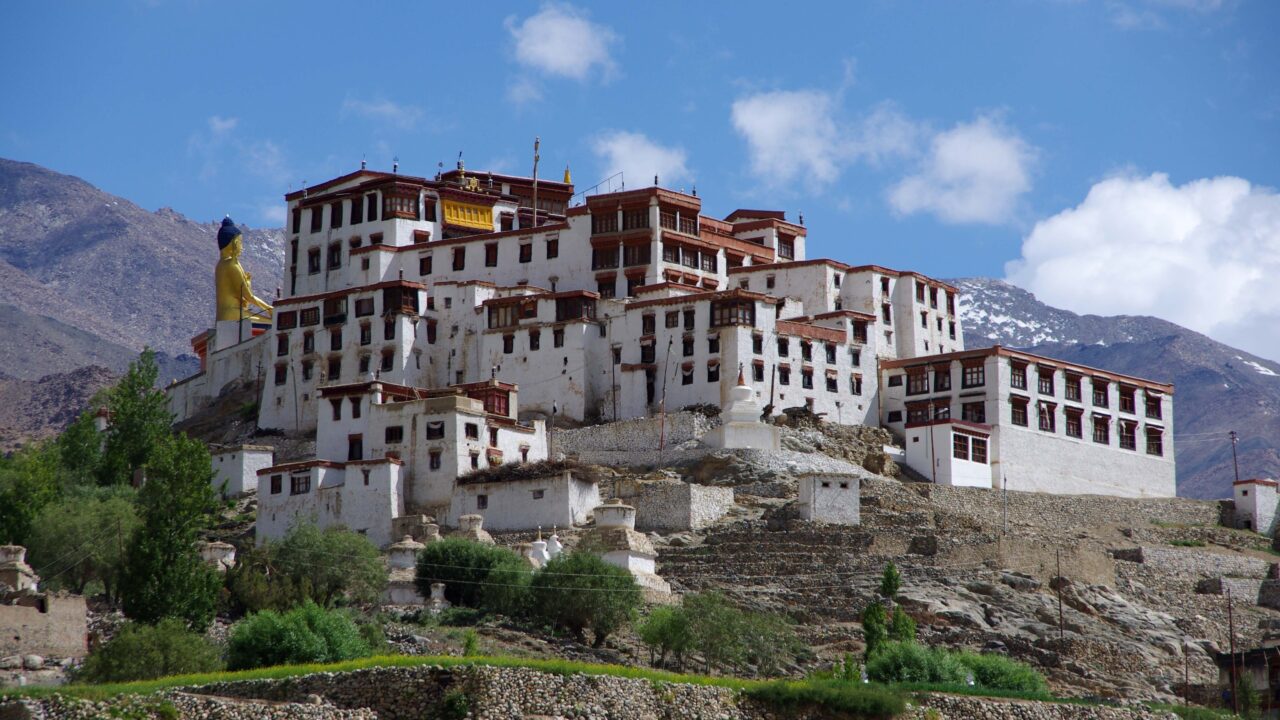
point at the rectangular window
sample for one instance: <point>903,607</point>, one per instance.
<point>757,372</point>
<point>366,334</point>
<point>424,265</point>
<point>1048,413</point>
<point>687,346</point>
<point>1155,441</point>
<point>317,219</point>
<point>553,248</point>
<point>282,374</point>
<point>1102,429</point>
<point>918,383</point>
<point>313,261</point>
<point>395,434</point>
<point>978,450</point>
<point>296,220</point>
<point>355,448</point>
<point>786,248</point>
<point>433,458</point>
<point>806,379</point>
<point>491,255</point>
<point>364,307</point>
<point>335,369</point>
<point>355,408</point>
<point>960,446</point>
<point>951,329</point>
<point>784,347</point>
<point>635,255</point>
<point>508,344</point>
<point>830,353</point>
<point>388,361</point>
<point>308,343</point>
<point>688,319</point>
<point>833,384</point>
<point>282,344</point>
<point>974,412</point>
<point>1075,427</point>
<point>757,344</point>
<point>924,320</point>
<point>357,211</point>
<point>607,288</point>
<point>310,316</point>
<point>941,380</point>
<point>686,375</point>
<point>855,384</point>
<point>784,376</point>
<point>731,312</point>
<point>459,258</point>
<point>917,414</point>
<point>364,364</point>
<point>1018,375</point>
<point>287,320</point>
<point>672,319</point>
<point>299,484</point>
<point>557,337</point>
<point>1018,411</point>
<point>535,339</point>
<point>806,351</point>
<point>604,258</point>
<point>973,376</point>
<point>389,329</point>
<point>1128,435</point>
<point>1128,403</point>
<point>471,431</point>
<point>648,324</point>
<point>1071,387</point>
<point>435,430</point>
<point>526,252</point>
<point>713,372</point>
<point>371,206</point>
<point>895,416</point>
<point>335,339</point>
<point>895,381</point>
<point>276,482</point>
<point>713,344</point>
<point>1044,383</point>
<point>647,353</point>
<point>1100,393</point>
<point>306,370</point>
<point>1152,402</point>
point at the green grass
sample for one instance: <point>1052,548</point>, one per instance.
<point>1187,543</point>
<point>832,695</point>
<point>975,691</point>
<point>1195,713</point>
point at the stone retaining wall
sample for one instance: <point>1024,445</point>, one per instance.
<point>642,435</point>
<point>1200,564</point>
<point>955,707</point>
<point>1241,589</point>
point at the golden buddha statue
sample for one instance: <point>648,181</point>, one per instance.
<point>235,291</point>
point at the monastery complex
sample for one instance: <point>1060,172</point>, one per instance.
<point>432,328</point>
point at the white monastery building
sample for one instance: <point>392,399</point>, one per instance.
<point>414,311</point>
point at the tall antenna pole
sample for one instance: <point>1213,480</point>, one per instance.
<point>1057,553</point>
<point>1231,633</point>
<point>1235,462</point>
<point>537,141</point>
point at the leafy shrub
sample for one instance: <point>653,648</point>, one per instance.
<point>722,634</point>
<point>1187,543</point>
<point>834,696</point>
<point>666,632</point>
<point>330,564</point>
<point>896,662</point>
<point>1001,673</point>
<point>474,575</point>
<point>875,628</point>
<point>307,634</point>
<point>902,628</point>
<point>82,537</point>
<point>143,652</point>
<point>578,590</point>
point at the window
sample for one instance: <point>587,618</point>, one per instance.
<point>1018,411</point>
<point>688,319</point>
<point>1102,429</point>
<point>924,320</point>
<point>686,375</point>
<point>435,430</point>
<point>364,307</point>
<point>786,248</point>
<point>830,353</point>
<point>276,482</point>
<point>335,339</point>
<point>308,343</point>
<point>557,337</point>
<point>475,465</point>
<point>784,376</point>
<point>357,211</point>
<point>784,347</point>
<point>895,381</point>
<point>459,258</point>
<point>1153,405</point>
<point>637,255</point>
<point>508,344</point>
<point>974,412</point>
<point>1100,392</point>
<point>617,355</point>
<point>941,380</point>
<point>769,282</point>
<point>1072,387</point>
<point>960,446</point>
<point>424,265</point>
<point>471,431</point>
<point>535,339</point>
<point>1128,435</point>
<point>287,320</point>
<point>355,448</point>
<point>482,501</point>
<point>806,351</point>
<point>388,361</point>
<point>1048,416</point>
<point>647,353</point>
<point>433,458</point>
<point>491,255</point>
<point>313,261</point>
<point>539,494</point>
<point>757,344</point>
<point>917,414</point>
<point>334,369</point>
<point>855,384</point>
<point>757,372</point>
<point>310,316</point>
<point>395,434</point>
<point>317,220</point>
<point>1018,375</point>
<point>604,258</point>
<point>731,312</point>
<point>918,383</point>
<point>389,329</point>
<point>282,344</point>
<point>1044,383</point>
<point>1128,404</point>
<point>978,450</point>
<point>355,408</point>
<point>299,484</point>
<point>366,333</point>
<point>713,344</point>
<point>806,379</point>
<point>951,329</point>
<point>335,255</point>
<point>1075,427</point>
<point>672,319</point>
<point>364,364</point>
<point>336,404</point>
<point>709,259</point>
<point>647,324</point>
<point>607,288</point>
<point>282,374</point>
<point>1155,441</point>
<point>885,313</point>
<point>895,416</point>
<point>687,346</point>
<point>526,252</point>
<point>553,248</point>
<point>296,220</point>
<point>713,372</point>
<point>833,383</point>
<point>306,369</point>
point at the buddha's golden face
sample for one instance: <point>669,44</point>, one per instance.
<point>234,248</point>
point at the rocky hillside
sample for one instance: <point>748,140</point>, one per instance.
<point>31,409</point>
<point>73,257</point>
<point>1217,388</point>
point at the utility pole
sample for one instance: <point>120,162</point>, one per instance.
<point>666,366</point>
<point>536,142</point>
<point>1057,554</point>
<point>1231,635</point>
<point>1235,462</point>
<point>1004,496</point>
<point>1186,675</point>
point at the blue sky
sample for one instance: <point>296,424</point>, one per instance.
<point>1129,142</point>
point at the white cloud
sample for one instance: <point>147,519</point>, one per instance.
<point>973,173</point>
<point>523,90</point>
<point>560,40</point>
<point>640,158</point>
<point>220,147</point>
<point>383,111</point>
<point>221,127</point>
<point>1152,14</point>
<point>797,135</point>
<point>271,214</point>
<point>1205,255</point>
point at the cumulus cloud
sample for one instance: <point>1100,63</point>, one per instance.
<point>1205,255</point>
<point>382,110</point>
<point>973,173</point>
<point>640,158</point>
<point>796,135</point>
<point>560,40</point>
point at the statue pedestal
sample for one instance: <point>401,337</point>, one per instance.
<point>228,333</point>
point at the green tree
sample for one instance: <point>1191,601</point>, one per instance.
<point>901,627</point>
<point>140,421</point>
<point>143,652</point>
<point>330,564</point>
<point>717,628</point>
<point>579,590</point>
<point>474,575</point>
<point>29,481</point>
<point>81,538</point>
<point>911,663</point>
<point>306,634</point>
<point>666,632</point>
<point>770,642</point>
<point>890,583</point>
<point>164,575</point>
<point>875,630</point>
<point>80,447</point>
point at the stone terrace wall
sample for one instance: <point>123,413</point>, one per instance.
<point>675,506</point>
<point>642,435</point>
<point>1069,511</point>
<point>1199,563</point>
<point>955,707</point>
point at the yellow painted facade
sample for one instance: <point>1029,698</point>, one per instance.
<point>467,215</point>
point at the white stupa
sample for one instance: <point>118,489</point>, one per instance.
<point>740,425</point>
